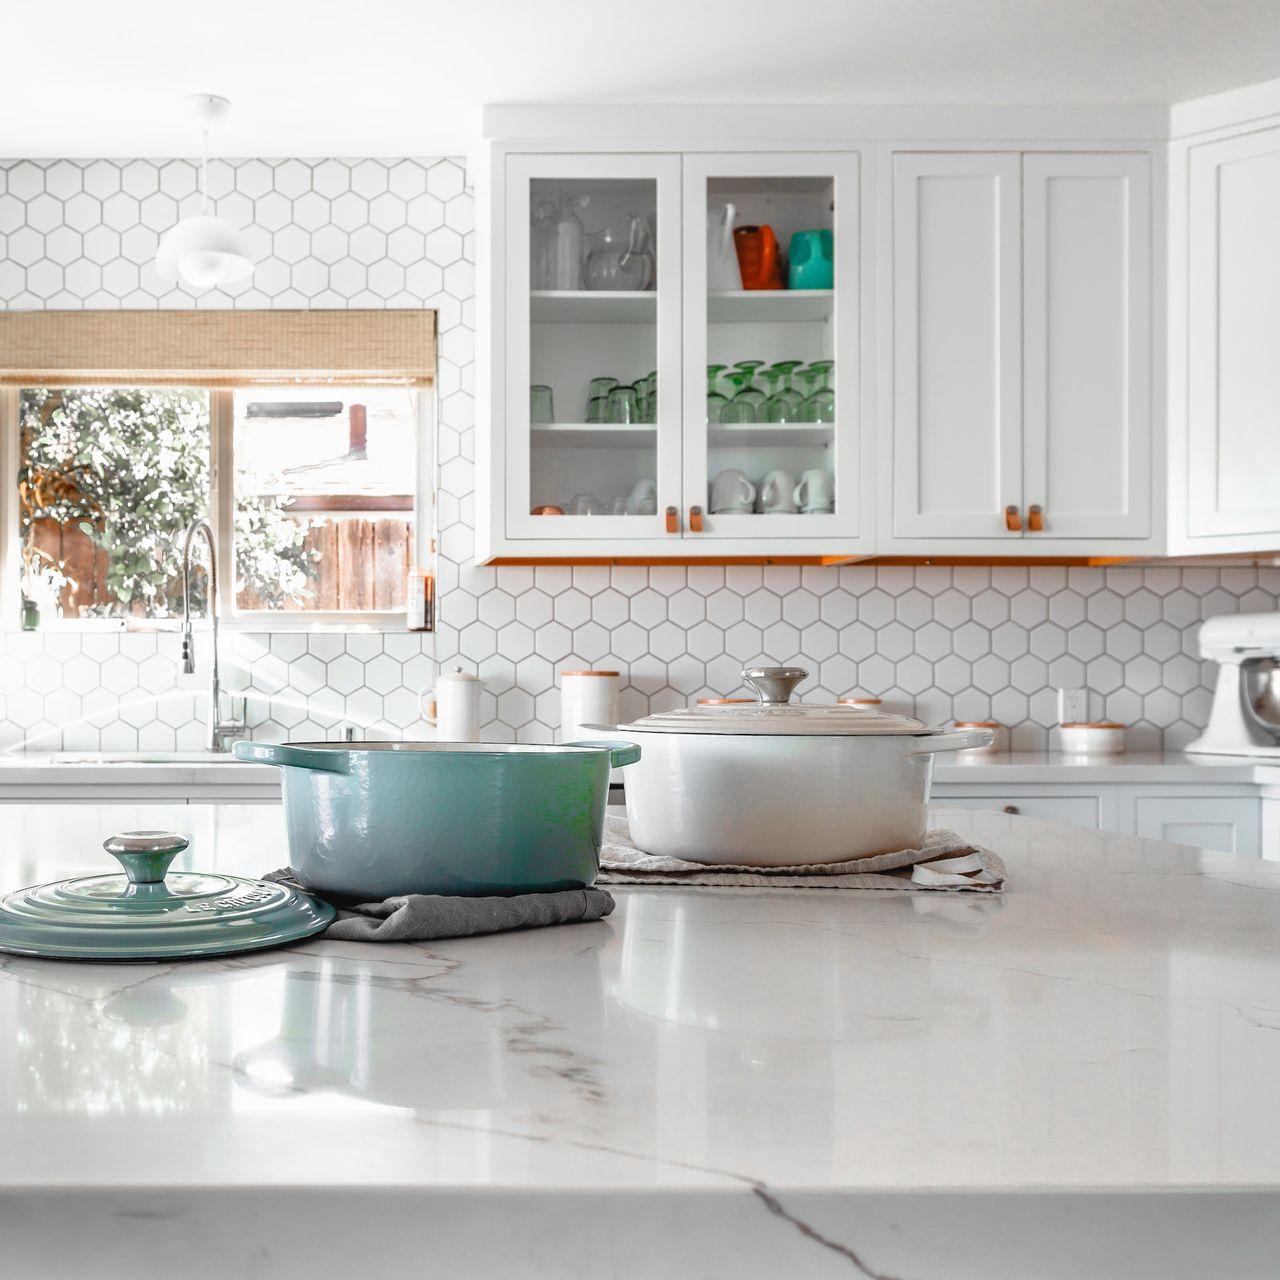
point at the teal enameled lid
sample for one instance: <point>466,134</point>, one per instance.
<point>145,914</point>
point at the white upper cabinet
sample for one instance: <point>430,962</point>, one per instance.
<point>957,345</point>
<point>1087,345</point>
<point>1233,422</point>
<point>652,397</point>
<point>1021,358</point>
<point>936,350</point>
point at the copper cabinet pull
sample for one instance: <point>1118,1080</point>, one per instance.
<point>695,519</point>
<point>673,520</point>
<point>1012,520</point>
<point>1011,808</point>
<point>1035,519</point>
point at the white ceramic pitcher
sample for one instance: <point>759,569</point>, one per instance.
<point>723,271</point>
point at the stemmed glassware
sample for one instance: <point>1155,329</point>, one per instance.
<point>749,389</point>
<point>820,403</point>
<point>785,402</point>
<point>744,407</point>
<point>715,400</point>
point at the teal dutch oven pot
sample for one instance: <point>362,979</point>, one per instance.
<point>374,820</point>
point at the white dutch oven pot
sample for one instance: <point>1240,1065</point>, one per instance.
<point>779,783</point>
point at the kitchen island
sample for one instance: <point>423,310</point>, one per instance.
<point>1077,1078</point>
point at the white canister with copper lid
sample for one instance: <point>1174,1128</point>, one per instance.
<point>453,706</point>
<point>587,697</point>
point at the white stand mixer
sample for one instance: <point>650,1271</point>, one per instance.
<point>1245,720</point>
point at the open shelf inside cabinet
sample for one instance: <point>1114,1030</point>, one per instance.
<point>748,435</point>
<point>774,306</point>
<point>596,435</point>
<point>588,306</point>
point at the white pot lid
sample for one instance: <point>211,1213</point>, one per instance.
<point>774,714</point>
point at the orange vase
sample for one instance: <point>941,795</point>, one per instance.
<point>759,257</point>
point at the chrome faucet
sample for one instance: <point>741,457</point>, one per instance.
<point>220,731</point>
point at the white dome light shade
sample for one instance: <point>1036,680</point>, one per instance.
<point>202,252</point>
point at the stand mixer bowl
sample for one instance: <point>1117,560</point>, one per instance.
<point>1260,692</point>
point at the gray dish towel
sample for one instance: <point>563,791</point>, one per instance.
<point>421,917</point>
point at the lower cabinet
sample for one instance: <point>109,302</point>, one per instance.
<point>1078,810</point>
<point>1232,823</point>
<point>1233,818</point>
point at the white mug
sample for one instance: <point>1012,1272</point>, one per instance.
<point>643,498</point>
<point>731,491</point>
<point>816,492</point>
<point>777,493</point>
<point>453,706</point>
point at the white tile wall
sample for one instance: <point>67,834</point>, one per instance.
<point>327,233</point>
<point>965,643</point>
<point>971,643</point>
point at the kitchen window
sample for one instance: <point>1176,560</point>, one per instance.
<point>318,491</point>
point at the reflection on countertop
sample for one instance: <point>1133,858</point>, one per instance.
<point>1111,1022</point>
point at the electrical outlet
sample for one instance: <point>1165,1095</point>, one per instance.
<point>1073,706</point>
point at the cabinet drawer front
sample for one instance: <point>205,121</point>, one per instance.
<point>1080,811</point>
<point>1228,823</point>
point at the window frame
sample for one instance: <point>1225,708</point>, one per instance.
<point>222,518</point>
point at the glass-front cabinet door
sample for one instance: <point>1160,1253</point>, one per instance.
<point>593,385</point>
<point>772,437</point>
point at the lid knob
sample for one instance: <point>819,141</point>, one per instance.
<point>146,855</point>
<point>773,686</point>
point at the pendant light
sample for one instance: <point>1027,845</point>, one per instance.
<point>204,251</point>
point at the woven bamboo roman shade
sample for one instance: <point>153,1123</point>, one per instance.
<point>217,348</point>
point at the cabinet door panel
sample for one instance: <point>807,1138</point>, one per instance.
<point>1087,336</point>
<point>1233,336</point>
<point>957,430</point>
<point>576,469</point>
<point>1228,823</point>
<point>793,334</point>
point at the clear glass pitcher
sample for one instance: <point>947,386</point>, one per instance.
<point>567,243</point>
<point>618,258</point>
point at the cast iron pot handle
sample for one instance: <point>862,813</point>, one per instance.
<point>281,753</point>
<point>620,753</point>
<point>957,740</point>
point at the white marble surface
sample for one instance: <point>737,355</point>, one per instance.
<point>175,776</point>
<point>1076,1079</point>
<point>1126,767</point>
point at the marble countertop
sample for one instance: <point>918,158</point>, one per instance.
<point>48,771</point>
<point>1168,767</point>
<point>166,768</point>
<point>1076,1078</point>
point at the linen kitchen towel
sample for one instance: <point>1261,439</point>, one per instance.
<point>421,917</point>
<point>943,861</point>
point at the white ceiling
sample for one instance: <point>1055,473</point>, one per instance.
<point>404,77</point>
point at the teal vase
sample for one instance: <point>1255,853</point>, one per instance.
<point>812,259</point>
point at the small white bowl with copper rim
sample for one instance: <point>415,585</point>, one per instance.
<point>1092,738</point>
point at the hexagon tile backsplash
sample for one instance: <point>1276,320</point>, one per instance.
<point>968,643</point>
<point>965,643</point>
